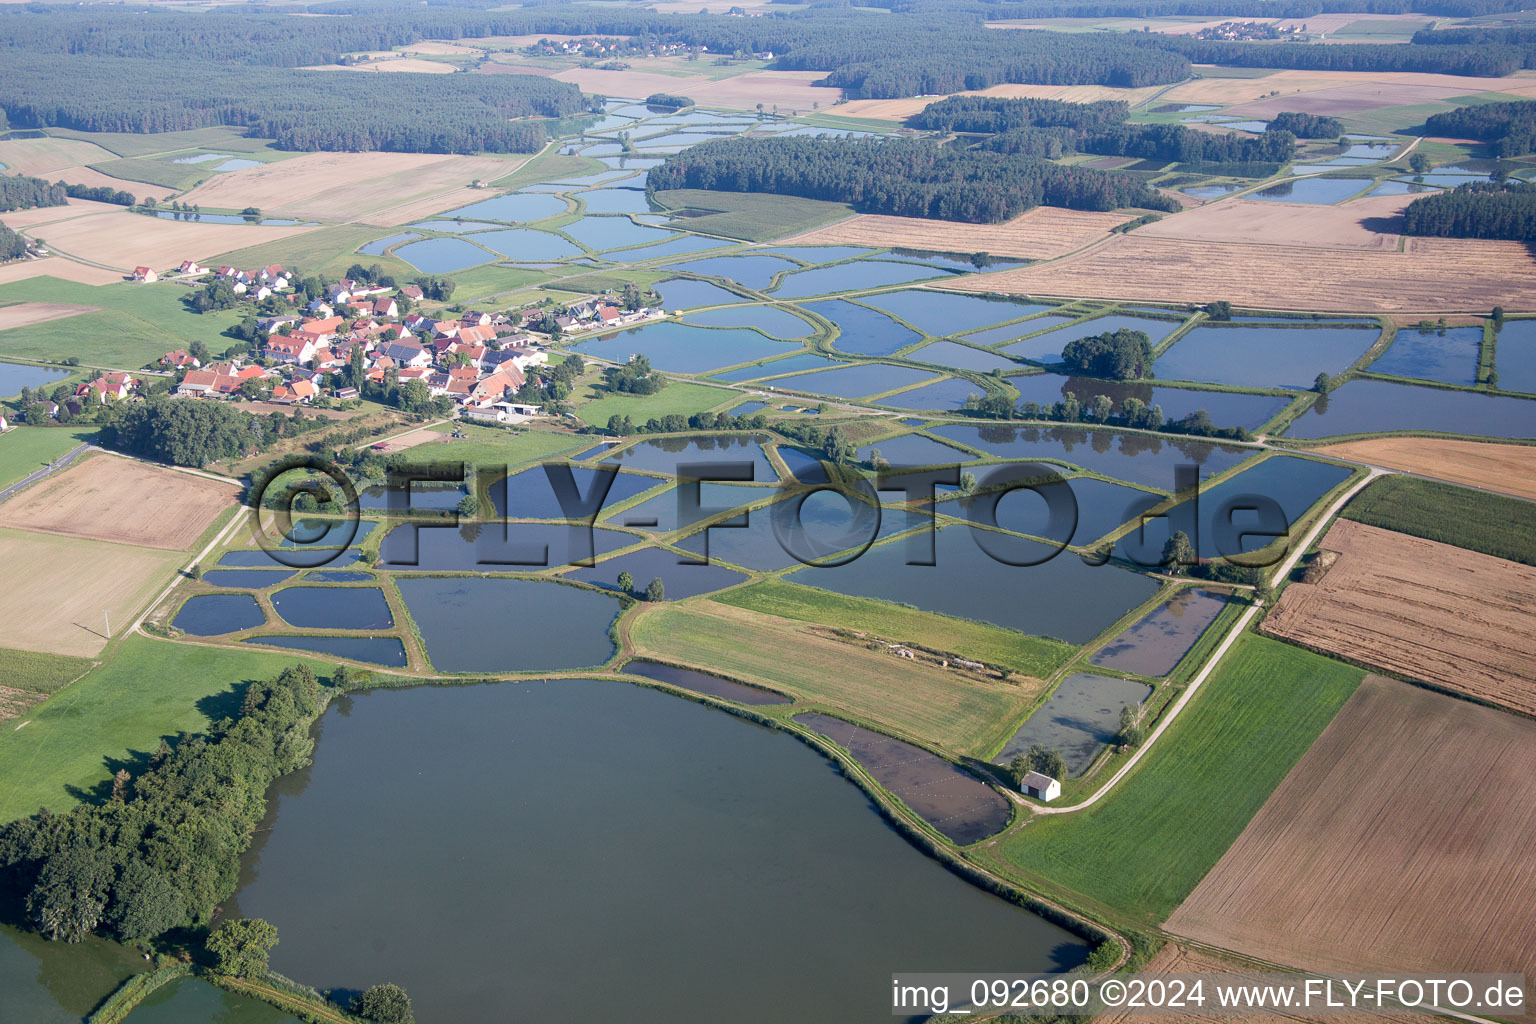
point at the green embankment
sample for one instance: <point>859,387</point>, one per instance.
<point>493,447</point>
<point>676,398</point>
<point>1031,655</point>
<point>149,689</point>
<point>1143,848</point>
<point>1475,520</point>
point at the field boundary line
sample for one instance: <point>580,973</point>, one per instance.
<point>1220,652</point>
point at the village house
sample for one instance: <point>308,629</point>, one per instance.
<point>298,391</point>
<point>1039,786</point>
<point>108,387</point>
<point>297,349</point>
<point>145,274</point>
<point>180,360</point>
<point>191,267</point>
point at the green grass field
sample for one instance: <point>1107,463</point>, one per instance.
<point>484,281</point>
<point>328,250</point>
<point>1034,656</point>
<point>151,171</point>
<point>149,689</point>
<point>490,447</point>
<point>750,216</point>
<point>25,450</point>
<point>1391,119</point>
<point>1490,523</point>
<point>39,673</point>
<point>132,144</point>
<point>1142,849</point>
<point>548,166</point>
<point>676,397</point>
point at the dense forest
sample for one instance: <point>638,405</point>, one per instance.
<point>1307,126</point>
<point>1206,8</point>
<point>903,177</point>
<point>12,245</point>
<point>1509,127</point>
<point>306,110</point>
<point>1522,39</point>
<point>163,848</point>
<point>195,433</point>
<point>19,192</point>
<point>1476,210</point>
<point>994,115</point>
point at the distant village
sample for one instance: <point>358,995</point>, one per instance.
<point>481,362</point>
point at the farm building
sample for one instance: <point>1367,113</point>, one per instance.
<point>1041,787</point>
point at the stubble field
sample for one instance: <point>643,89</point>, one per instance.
<point>124,240</point>
<point>24,314</point>
<point>1505,468</point>
<point>1399,843</point>
<point>1042,233</point>
<point>1367,223</point>
<point>1432,275</point>
<point>116,499</point>
<point>1457,619</point>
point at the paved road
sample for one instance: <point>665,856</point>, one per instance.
<point>62,462</point>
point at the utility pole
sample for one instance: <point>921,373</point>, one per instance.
<point>108,618</point>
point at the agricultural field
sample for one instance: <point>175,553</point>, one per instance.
<point>1505,468</point>
<point>58,268</point>
<point>24,314</point>
<point>1145,847</point>
<point>122,240</point>
<point>1495,525</point>
<point>941,707</point>
<point>1031,655</point>
<point>1456,619</point>
<point>117,715</point>
<point>329,251</point>
<point>1432,275</point>
<point>46,157</point>
<point>1045,232</point>
<point>1366,223</point>
<point>25,450</point>
<point>489,447</point>
<point>1370,858</point>
<point>787,90</point>
<point>116,499</point>
<point>371,188</point>
<point>750,216</point>
<point>901,109</point>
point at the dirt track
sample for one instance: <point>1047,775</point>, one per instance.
<point>1454,618</point>
<point>1399,843</point>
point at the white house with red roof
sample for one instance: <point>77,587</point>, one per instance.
<point>180,360</point>
<point>108,387</point>
<point>297,349</point>
<point>145,274</point>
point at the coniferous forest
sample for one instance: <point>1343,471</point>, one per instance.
<point>1476,210</point>
<point>12,245</point>
<point>19,192</point>
<point>1509,127</point>
<point>903,177</point>
<point>1307,126</point>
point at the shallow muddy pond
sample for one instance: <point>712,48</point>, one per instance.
<point>1137,458</point>
<point>1226,408</point>
<point>950,799</point>
<point>474,624</point>
<point>667,454</point>
<point>213,614</point>
<point>855,381</point>
<point>1156,643</point>
<point>681,348</point>
<point>943,313</point>
<point>703,682</point>
<point>387,651</point>
<point>777,323</point>
<point>443,255</point>
<point>333,608</point>
<point>847,276</point>
<point>680,579</point>
<point>862,331</point>
<point>1263,357</point>
<point>15,376</point>
<point>1079,720</point>
<point>494,547</point>
<point>1063,597</point>
<point>1362,406</point>
<point>702,889</point>
<point>1449,356</point>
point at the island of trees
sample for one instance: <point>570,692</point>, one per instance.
<point>1307,126</point>
<point>668,100</point>
<point>905,177</point>
<point>1114,355</point>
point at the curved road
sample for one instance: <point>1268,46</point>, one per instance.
<point>62,462</point>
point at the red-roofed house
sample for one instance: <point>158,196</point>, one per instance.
<point>411,292</point>
<point>297,349</point>
<point>385,307</point>
<point>179,359</point>
<point>108,387</point>
<point>297,391</point>
<point>476,335</point>
<point>145,274</point>
<point>191,267</point>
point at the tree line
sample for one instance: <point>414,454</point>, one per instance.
<point>1510,128</point>
<point>191,433</point>
<point>1476,209</point>
<point>991,115</point>
<point>21,192</point>
<point>902,177</point>
<point>12,245</point>
<point>301,110</point>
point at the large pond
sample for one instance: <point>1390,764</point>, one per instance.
<point>962,357</point>
<point>914,450</point>
<point>615,200</point>
<point>1226,408</point>
<point>863,331</point>
<point>848,276</point>
<point>1063,597</point>
<point>1263,357</point>
<point>1080,718</point>
<point>532,496</point>
<point>15,376</point>
<point>661,514</point>
<point>513,207</point>
<point>703,682</point>
<point>1449,356</point>
<point>1363,406</point>
<point>1137,458</point>
<point>1311,190</point>
<point>683,293</point>
<point>824,525</point>
<point>44,982</point>
<point>679,578</point>
<point>1047,348</point>
<point>771,321</point>
<point>1155,643</point>
<point>213,614</point>
<point>1515,356</point>
<point>612,232</point>
<point>527,244</point>
<point>669,454</point>
<point>442,255</point>
<point>576,802</point>
<point>856,381</point>
<point>474,624</point>
<point>942,394</point>
<point>245,579</point>
<point>377,650</point>
<point>333,608</point>
<point>1101,508</point>
<point>755,272</point>
<point>943,313</point>
<point>679,348</point>
<point>792,364</point>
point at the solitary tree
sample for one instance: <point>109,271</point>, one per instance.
<point>385,1004</point>
<point>469,506</point>
<point>1419,163</point>
<point>655,590</point>
<point>1046,761</point>
<point>1320,385</point>
<point>1498,317</point>
<point>626,583</point>
<point>241,946</point>
<point>1131,732</point>
<point>1178,552</point>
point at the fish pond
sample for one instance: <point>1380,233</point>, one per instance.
<point>1135,458</point>
<point>943,313</point>
<point>943,394</point>
<point>1046,348</point>
<point>777,323</point>
<point>333,608</point>
<point>387,651</point>
<point>1311,190</point>
<point>679,576</point>
<point>961,357</point>
<point>1364,406</point>
<point>214,614</point>
<point>474,624</point>
<point>530,495</point>
<point>516,206</point>
<point>1515,356</point>
<point>1449,356</point>
<point>703,682</point>
<point>755,272</point>
<point>494,547</point>
<point>526,244</point>
<point>1080,719</point>
<point>914,450</point>
<point>1263,357</point>
<point>793,364</point>
<point>1226,408</point>
<point>848,276</point>
<point>681,348</point>
<point>600,233</point>
<point>15,376</point>
<point>1154,644</point>
<point>667,454</point>
<point>245,579</point>
<point>689,864</point>
<point>855,381</point>
<point>443,255</point>
<point>863,331</point>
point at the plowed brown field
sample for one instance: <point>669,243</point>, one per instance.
<point>1043,233</point>
<point>1506,468</point>
<point>1433,275</point>
<point>1457,619</point>
<point>1370,223</point>
<point>1401,843</point>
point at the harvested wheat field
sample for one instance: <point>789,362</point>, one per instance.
<point>788,90</point>
<point>1042,233</point>
<point>24,314</point>
<point>1176,959</point>
<point>57,266</point>
<point>1432,275</point>
<point>393,63</point>
<point>125,240</point>
<point>1369,223</point>
<point>46,155</point>
<point>1289,83</point>
<point>24,220</point>
<point>1400,843</point>
<point>1349,99</point>
<point>57,589</point>
<point>1457,619</point>
<point>372,188</point>
<point>1505,468</point>
<point>116,499</point>
<point>901,109</point>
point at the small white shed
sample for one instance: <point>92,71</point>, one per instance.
<point>1041,787</point>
